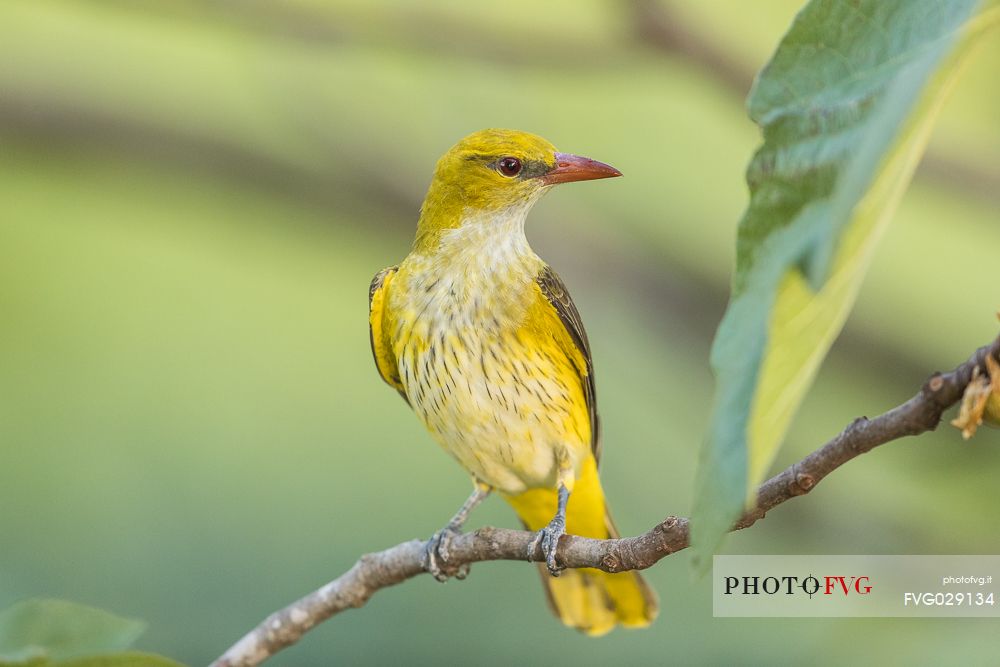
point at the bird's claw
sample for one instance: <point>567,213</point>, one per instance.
<point>436,556</point>
<point>548,538</point>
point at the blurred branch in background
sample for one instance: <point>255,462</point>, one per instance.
<point>659,25</point>
<point>375,571</point>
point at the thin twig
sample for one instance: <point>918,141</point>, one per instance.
<point>376,571</point>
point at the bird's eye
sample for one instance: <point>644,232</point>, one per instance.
<point>509,166</point>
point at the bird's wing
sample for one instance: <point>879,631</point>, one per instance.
<point>555,292</point>
<point>385,360</point>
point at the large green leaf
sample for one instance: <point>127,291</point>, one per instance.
<point>57,629</point>
<point>845,104</point>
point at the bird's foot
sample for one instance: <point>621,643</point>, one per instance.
<point>436,556</point>
<point>548,537</point>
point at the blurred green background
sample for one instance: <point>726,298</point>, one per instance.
<point>193,199</point>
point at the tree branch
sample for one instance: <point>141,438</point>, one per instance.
<point>376,571</point>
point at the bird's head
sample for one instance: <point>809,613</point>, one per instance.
<point>493,171</point>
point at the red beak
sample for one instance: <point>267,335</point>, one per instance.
<point>571,168</point>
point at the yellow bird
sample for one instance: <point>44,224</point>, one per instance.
<point>481,338</point>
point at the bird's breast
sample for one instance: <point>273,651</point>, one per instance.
<point>491,386</point>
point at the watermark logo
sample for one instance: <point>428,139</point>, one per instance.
<point>791,585</point>
<point>794,586</point>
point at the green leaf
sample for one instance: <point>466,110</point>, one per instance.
<point>846,105</point>
<point>57,629</point>
<point>129,659</point>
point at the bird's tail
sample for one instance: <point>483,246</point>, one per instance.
<point>587,599</point>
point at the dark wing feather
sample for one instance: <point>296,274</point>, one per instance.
<point>555,291</point>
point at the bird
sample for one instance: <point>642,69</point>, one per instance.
<point>481,338</point>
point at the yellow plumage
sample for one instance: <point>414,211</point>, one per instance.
<point>589,600</point>
<point>482,340</point>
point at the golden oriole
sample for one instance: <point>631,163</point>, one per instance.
<point>482,340</point>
